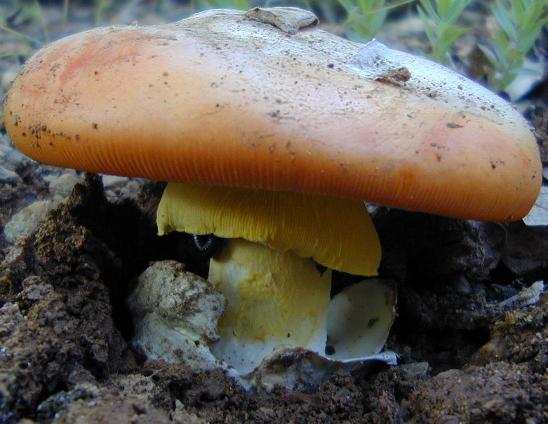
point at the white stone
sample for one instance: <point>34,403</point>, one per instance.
<point>9,177</point>
<point>24,222</point>
<point>175,314</point>
<point>117,187</point>
<point>11,158</point>
<point>539,213</point>
<point>62,185</point>
<point>113,180</point>
<point>7,77</point>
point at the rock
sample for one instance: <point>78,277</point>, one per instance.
<point>24,222</point>
<point>9,177</point>
<point>415,369</point>
<point>50,407</point>
<point>4,139</point>
<point>175,314</point>
<point>430,249</point>
<point>10,318</point>
<point>525,252</point>
<point>519,336</point>
<point>11,158</point>
<point>117,188</point>
<point>112,181</point>
<point>526,297</point>
<point>157,340</point>
<point>539,213</point>
<point>59,318</point>
<point>62,185</point>
<point>442,266</point>
<point>175,294</point>
<point>34,289</point>
<point>499,392</point>
<point>124,399</point>
<point>181,416</point>
<point>7,77</point>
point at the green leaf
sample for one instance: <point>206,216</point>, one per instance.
<point>428,29</point>
<point>504,19</point>
<point>439,21</point>
<point>457,7</point>
<point>443,8</point>
<point>347,5</point>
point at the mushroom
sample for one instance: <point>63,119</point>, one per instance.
<point>272,133</point>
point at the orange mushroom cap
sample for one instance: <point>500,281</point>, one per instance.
<point>265,99</point>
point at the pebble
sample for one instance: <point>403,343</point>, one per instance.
<point>24,222</point>
<point>61,186</point>
<point>450,419</point>
<point>34,289</point>
<point>113,181</point>
<point>538,216</point>
<point>182,415</point>
<point>7,176</point>
<point>11,158</point>
<point>175,315</point>
<point>7,77</point>
<point>526,297</point>
<point>416,369</point>
<point>117,187</point>
<point>179,296</point>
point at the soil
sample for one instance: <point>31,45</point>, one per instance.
<point>471,327</point>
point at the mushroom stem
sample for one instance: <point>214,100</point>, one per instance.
<point>274,300</point>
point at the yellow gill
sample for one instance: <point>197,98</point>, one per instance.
<point>337,233</point>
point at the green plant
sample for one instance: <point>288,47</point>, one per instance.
<point>224,4</point>
<point>364,18</point>
<point>520,23</point>
<point>439,18</point>
<point>100,7</point>
<point>15,13</point>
